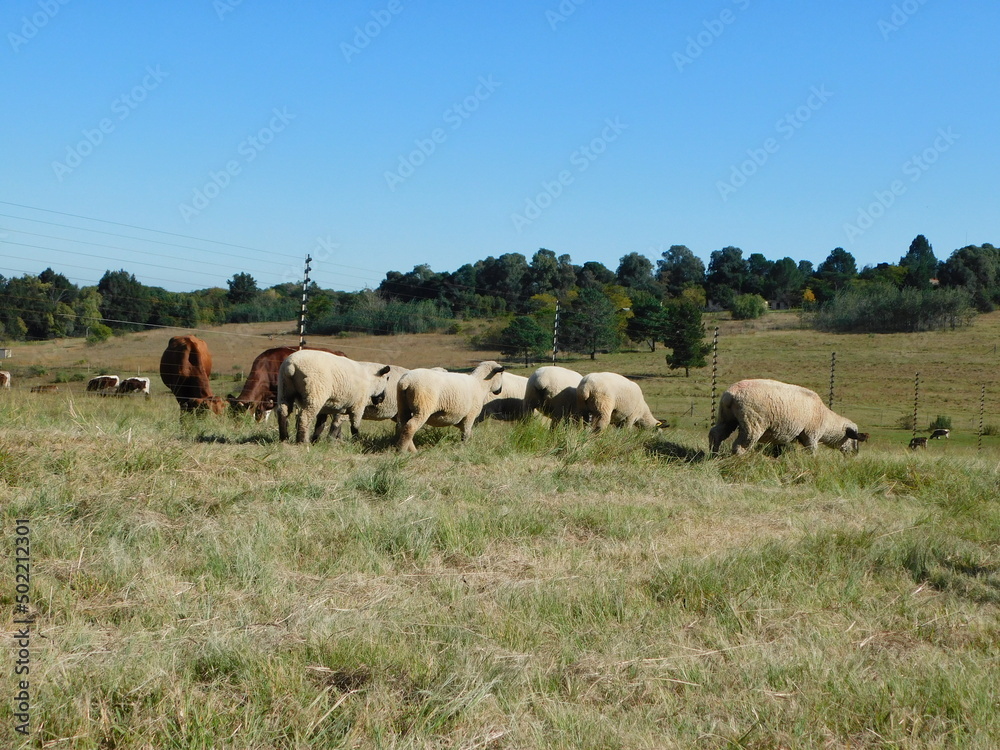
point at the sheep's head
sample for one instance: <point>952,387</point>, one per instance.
<point>495,379</point>
<point>382,379</point>
<point>849,444</point>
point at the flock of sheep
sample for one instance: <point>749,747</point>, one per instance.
<point>322,384</point>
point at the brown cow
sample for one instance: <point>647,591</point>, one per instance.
<point>185,368</point>
<point>44,388</point>
<point>260,390</point>
<point>133,385</point>
<point>102,383</point>
<point>4,379</point>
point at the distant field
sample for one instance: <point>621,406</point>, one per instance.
<point>199,585</point>
<point>874,373</point>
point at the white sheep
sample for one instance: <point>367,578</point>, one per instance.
<point>552,391</point>
<point>605,398</point>
<point>507,405</point>
<point>323,382</point>
<point>443,399</point>
<point>373,412</point>
<point>779,414</point>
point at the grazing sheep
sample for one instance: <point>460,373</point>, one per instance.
<point>779,414</point>
<point>508,405</point>
<point>443,399</point>
<point>918,442</point>
<point>605,398</point>
<point>552,391</point>
<point>323,382</point>
<point>373,412</point>
<point>939,433</point>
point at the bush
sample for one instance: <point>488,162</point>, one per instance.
<point>98,333</point>
<point>991,429</point>
<point>69,377</point>
<point>882,308</point>
<point>905,422</point>
<point>748,307</point>
<point>940,423</point>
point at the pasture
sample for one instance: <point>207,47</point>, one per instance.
<point>200,585</point>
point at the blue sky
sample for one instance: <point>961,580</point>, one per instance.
<point>379,135</point>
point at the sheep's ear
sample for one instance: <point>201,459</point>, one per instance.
<point>851,433</point>
<point>384,371</point>
<point>497,370</point>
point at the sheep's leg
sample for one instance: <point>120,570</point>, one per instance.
<point>406,432</point>
<point>320,424</point>
<point>601,423</point>
<point>355,418</point>
<point>745,441</point>
<point>718,434</point>
<point>809,441</point>
<point>466,427</point>
<point>283,422</point>
<point>306,417</point>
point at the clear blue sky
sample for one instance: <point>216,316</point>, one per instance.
<point>630,126</point>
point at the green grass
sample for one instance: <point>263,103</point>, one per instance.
<point>198,584</point>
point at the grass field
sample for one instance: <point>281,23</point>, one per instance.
<point>199,585</point>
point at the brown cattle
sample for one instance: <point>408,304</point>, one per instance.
<point>133,385</point>
<point>260,390</point>
<point>44,388</point>
<point>102,383</point>
<point>918,442</point>
<point>4,379</point>
<point>185,368</point>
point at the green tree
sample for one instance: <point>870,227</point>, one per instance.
<point>920,264</point>
<point>727,275</point>
<point>680,268</point>
<point>127,304</point>
<point>835,273</point>
<point>242,288</point>
<point>648,321</point>
<point>591,324</point>
<point>785,282</point>
<point>524,338</point>
<point>635,271</point>
<point>684,335</point>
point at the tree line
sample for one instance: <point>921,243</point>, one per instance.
<point>599,308</point>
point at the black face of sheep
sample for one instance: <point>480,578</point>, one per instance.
<point>852,440</point>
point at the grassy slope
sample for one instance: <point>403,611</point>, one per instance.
<point>200,582</point>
